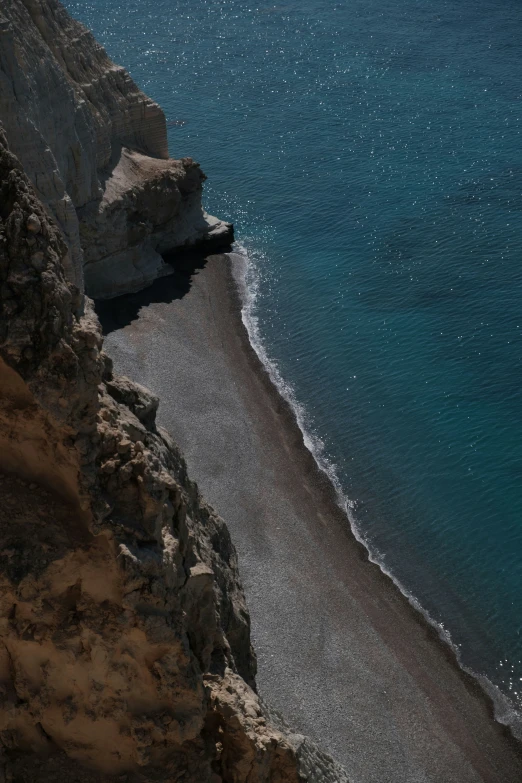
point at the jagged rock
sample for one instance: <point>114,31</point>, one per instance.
<point>148,208</point>
<point>125,649</point>
<point>95,148</point>
<point>141,401</point>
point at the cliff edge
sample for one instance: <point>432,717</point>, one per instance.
<point>95,149</point>
<point>124,637</point>
<point>125,649</point>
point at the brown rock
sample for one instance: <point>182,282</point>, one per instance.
<point>124,446</point>
<point>124,636</point>
<point>33,224</point>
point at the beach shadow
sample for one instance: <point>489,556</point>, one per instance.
<point>121,311</point>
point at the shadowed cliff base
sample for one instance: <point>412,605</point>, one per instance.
<point>341,652</point>
<point>121,311</point>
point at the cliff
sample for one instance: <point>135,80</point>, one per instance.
<point>124,637</point>
<point>95,149</point>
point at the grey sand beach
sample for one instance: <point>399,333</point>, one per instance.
<point>341,653</point>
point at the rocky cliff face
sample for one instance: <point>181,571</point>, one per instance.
<point>125,648</point>
<point>124,637</point>
<point>95,149</point>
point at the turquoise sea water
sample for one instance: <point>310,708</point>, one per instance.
<point>370,155</point>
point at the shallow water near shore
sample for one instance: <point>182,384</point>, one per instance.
<point>370,157</point>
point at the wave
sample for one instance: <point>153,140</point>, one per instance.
<point>245,269</point>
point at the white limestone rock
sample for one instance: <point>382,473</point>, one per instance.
<point>76,120</point>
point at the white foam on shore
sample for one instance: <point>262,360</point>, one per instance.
<point>246,275</point>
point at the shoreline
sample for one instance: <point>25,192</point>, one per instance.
<point>334,494</point>
<point>365,636</point>
<point>496,699</point>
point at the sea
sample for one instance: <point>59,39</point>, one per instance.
<point>369,154</point>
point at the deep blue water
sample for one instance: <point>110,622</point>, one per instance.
<point>370,155</point>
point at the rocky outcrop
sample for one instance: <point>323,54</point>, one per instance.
<point>95,149</point>
<point>148,208</point>
<point>124,637</point>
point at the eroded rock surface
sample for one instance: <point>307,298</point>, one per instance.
<point>125,648</point>
<point>95,148</point>
<point>149,207</point>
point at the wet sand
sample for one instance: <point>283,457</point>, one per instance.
<point>341,653</point>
